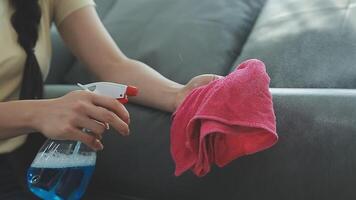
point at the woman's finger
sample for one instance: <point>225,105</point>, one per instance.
<point>113,105</point>
<point>90,141</point>
<point>91,125</point>
<point>105,116</point>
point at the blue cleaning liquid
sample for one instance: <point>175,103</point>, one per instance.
<point>60,176</point>
<point>59,183</point>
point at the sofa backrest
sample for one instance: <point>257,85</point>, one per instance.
<point>180,39</point>
<point>306,43</point>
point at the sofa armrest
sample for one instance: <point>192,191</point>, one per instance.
<point>314,158</point>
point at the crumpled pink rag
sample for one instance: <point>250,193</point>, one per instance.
<point>224,120</point>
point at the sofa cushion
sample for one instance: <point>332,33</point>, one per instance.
<point>180,39</point>
<point>306,43</point>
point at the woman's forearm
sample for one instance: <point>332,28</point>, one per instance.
<point>154,89</point>
<point>17,117</point>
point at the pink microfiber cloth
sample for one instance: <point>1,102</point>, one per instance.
<point>228,118</point>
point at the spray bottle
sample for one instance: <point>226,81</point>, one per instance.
<point>62,169</point>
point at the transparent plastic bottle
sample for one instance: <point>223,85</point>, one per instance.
<point>61,170</point>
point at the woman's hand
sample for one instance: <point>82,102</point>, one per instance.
<point>192,84</point>
<point>64,118</point>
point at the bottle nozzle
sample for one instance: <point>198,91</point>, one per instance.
<point>131,91</point>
